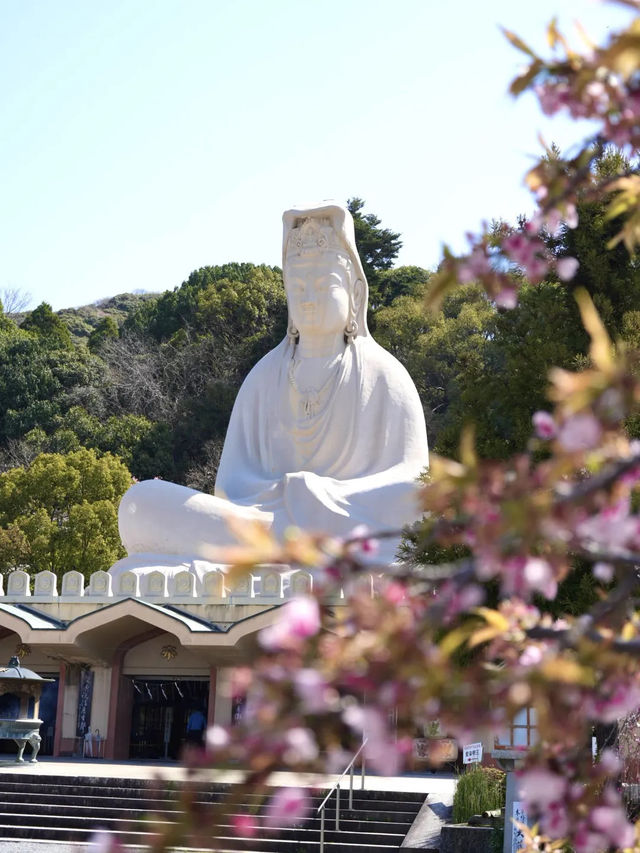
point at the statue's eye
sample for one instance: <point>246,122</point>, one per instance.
<point>324,282</point>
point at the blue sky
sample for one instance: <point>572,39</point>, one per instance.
<point>142,139</point>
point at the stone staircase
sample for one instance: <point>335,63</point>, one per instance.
<point>71,809</point>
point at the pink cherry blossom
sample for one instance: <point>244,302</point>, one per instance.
<point>367,544</point>
<point>506,298</point>
<point>540,787</point>
<point>300,746</point>
<point>552,96</point>
<point>555,820</point>
<point>586,841</point>
<point>216,738</point>
<point>394,592</point>
<point>612,822</point>
<point>312,689</point>
<point>539,577</point>
<point>616,699</point>
<point>567,268</point>
<point>544,425</point>
<point>613,528</point>
<point>571,216</point>
<point>383,753</point>
<point>580,432</point>
<point>536,269</point>
<point>531,656</point>
<point>529,252</point>
<point>609,762</point>
<point>287,807</point>
<point>522,576</point>
<point>475,266</point>
<point>244,825</point>
<point>296,620</point>
<point>103,841</point>
<point>603,572</point>
<point>519,247</point>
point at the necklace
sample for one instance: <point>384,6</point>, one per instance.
<point>311,398</point>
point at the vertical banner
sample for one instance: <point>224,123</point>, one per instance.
<point>85,697</point>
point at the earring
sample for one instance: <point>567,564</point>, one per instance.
<point>351,331</point>
<point>293,334</point>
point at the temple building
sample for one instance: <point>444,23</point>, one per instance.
<point>139,665</point>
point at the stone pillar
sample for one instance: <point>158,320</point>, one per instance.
<point>512,840</point>
<point>120,705</point>
<point>211,707</point>
<point>114,691</point>
<point>100,706</point>
<point>57,736</point>
<point>121,698</point>
<point>222,705</point>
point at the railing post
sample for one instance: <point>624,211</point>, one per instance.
<point>351,788</point>
<point>362,774</point>
<point>338,808</point>
<point>322,830</point>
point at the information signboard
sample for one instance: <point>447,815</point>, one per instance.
<point>472,753</point>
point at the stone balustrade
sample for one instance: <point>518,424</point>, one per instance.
<point>264,585</point>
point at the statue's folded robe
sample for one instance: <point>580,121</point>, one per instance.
<point>355,461</point>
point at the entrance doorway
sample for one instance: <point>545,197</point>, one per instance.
<point>166,715</point>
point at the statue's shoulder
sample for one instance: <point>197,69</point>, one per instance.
<point>267,370</point>
<point>380,361</point>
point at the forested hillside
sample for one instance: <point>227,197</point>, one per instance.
<point>147,381</point>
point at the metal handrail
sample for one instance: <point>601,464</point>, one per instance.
<point>349,768</point>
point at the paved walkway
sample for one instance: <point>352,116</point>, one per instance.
<point>431,783</point>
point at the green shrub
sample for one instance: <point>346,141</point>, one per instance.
<point>477,791</point>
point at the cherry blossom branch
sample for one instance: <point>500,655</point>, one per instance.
<point>568,493</point>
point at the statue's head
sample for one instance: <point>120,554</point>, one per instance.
<point>323,276</point>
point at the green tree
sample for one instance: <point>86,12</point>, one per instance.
<point>60,513</point>
<point>378,248</point>
<point>143,445</point>
<point>106,328</point>
<point>610,274</point>
<point>39,380</point>
<point>239,297</point>
<point>401,281</point>
<point>48,325</point>
<point>441,351</point>
<point>499,391</point>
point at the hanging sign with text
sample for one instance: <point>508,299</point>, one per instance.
<point>472,753</point>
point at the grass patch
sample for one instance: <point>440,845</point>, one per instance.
<point>477,791</point>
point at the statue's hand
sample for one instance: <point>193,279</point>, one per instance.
<point>313,493</point>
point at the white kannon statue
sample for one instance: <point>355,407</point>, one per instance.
<point>327,432</point>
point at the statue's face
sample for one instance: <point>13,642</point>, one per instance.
<point>318,293</point>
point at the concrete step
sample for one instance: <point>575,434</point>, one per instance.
<point>351,821</point>
<point>153,822</point>
<point>134,787</point>
<point>120,786</point>
<point>362,807</point>
<point>220,844</point>
<point>70,809</point>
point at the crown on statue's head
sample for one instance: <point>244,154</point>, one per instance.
<point>312,235</point>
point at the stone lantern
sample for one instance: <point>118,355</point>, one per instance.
<point>25,684</point>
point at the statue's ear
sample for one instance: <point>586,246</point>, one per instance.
<point>358,294</point>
